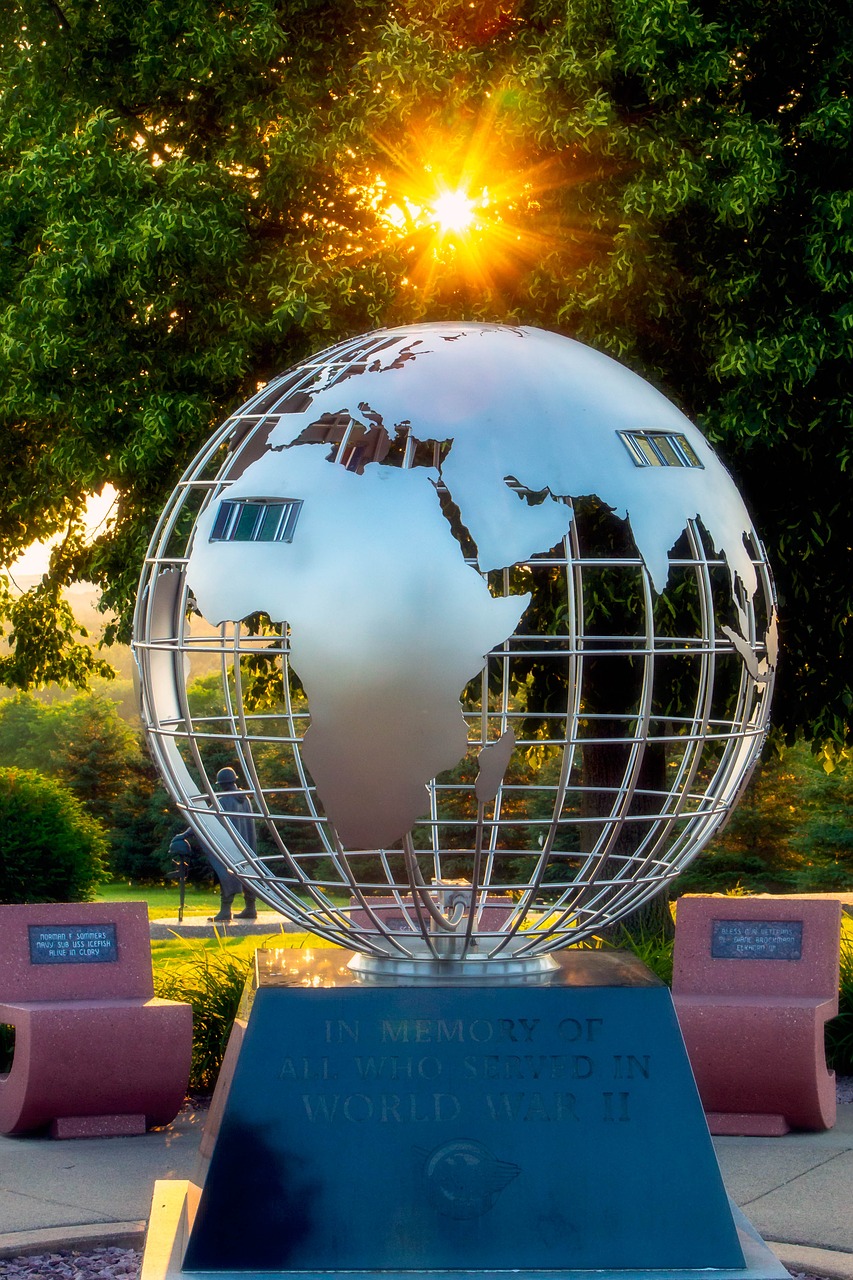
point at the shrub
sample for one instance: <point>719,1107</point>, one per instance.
<point>654,951</point>
<point>52,850</point>
<point>213,983</point>
<point>721,870</point>
<point>839,1032</point>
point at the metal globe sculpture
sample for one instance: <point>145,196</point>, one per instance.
<point>483,624</point>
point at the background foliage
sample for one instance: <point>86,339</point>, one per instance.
<point>790,832</point>
<point>194,196</point>
<point>86,745</point>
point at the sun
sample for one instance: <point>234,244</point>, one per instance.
<point>462,208</point>
<point>454,212</point>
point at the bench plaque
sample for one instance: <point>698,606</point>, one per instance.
<point>757,940</point>
<point>73,944</point>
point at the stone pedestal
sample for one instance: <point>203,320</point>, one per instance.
<point>548,1129</point>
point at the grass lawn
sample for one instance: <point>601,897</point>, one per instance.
<point>185,950</point>
<point>200,903</point>
<point>163,899</point>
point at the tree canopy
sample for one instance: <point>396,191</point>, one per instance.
<point>195,196</point>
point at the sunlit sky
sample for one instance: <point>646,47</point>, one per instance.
<point>35,559</point>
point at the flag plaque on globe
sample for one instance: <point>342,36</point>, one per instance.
<point>490,640</point>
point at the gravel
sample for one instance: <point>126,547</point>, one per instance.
<point>124,1264</point>
<point>117,1264</point>
<point>99,1264</point>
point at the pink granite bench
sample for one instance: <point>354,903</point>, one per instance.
<point>95,1052</point>
<point>755,980</point>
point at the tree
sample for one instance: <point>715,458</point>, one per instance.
<point>754,851</point>
<point>172,200</point>
<point>823,840</point>
<point>197,196</point>
<point>790,833</point>
<point>193,197</point>
<point>692,161</point>
<point>52,850</point>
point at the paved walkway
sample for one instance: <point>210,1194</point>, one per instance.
<point>267,924</point>
<point>62,1194</point>
<point>797,1190</point>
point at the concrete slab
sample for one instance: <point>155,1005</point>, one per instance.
<point>50,1184</point>
<point>750,1175</point>
<point>828,1223</point>
<point>798,1188</point>
<point>814,1262</point>
<point>121,1235</point>
<point>19,1212</point>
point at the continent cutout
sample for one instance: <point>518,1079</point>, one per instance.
<point>493,761</point>
<point>388,624</point>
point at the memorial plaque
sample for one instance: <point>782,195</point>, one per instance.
<point>485,1128</point>
<point>73,943</point>
<point>757,940</point>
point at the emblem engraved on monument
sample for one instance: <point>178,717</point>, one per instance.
<point>463,1178</point>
